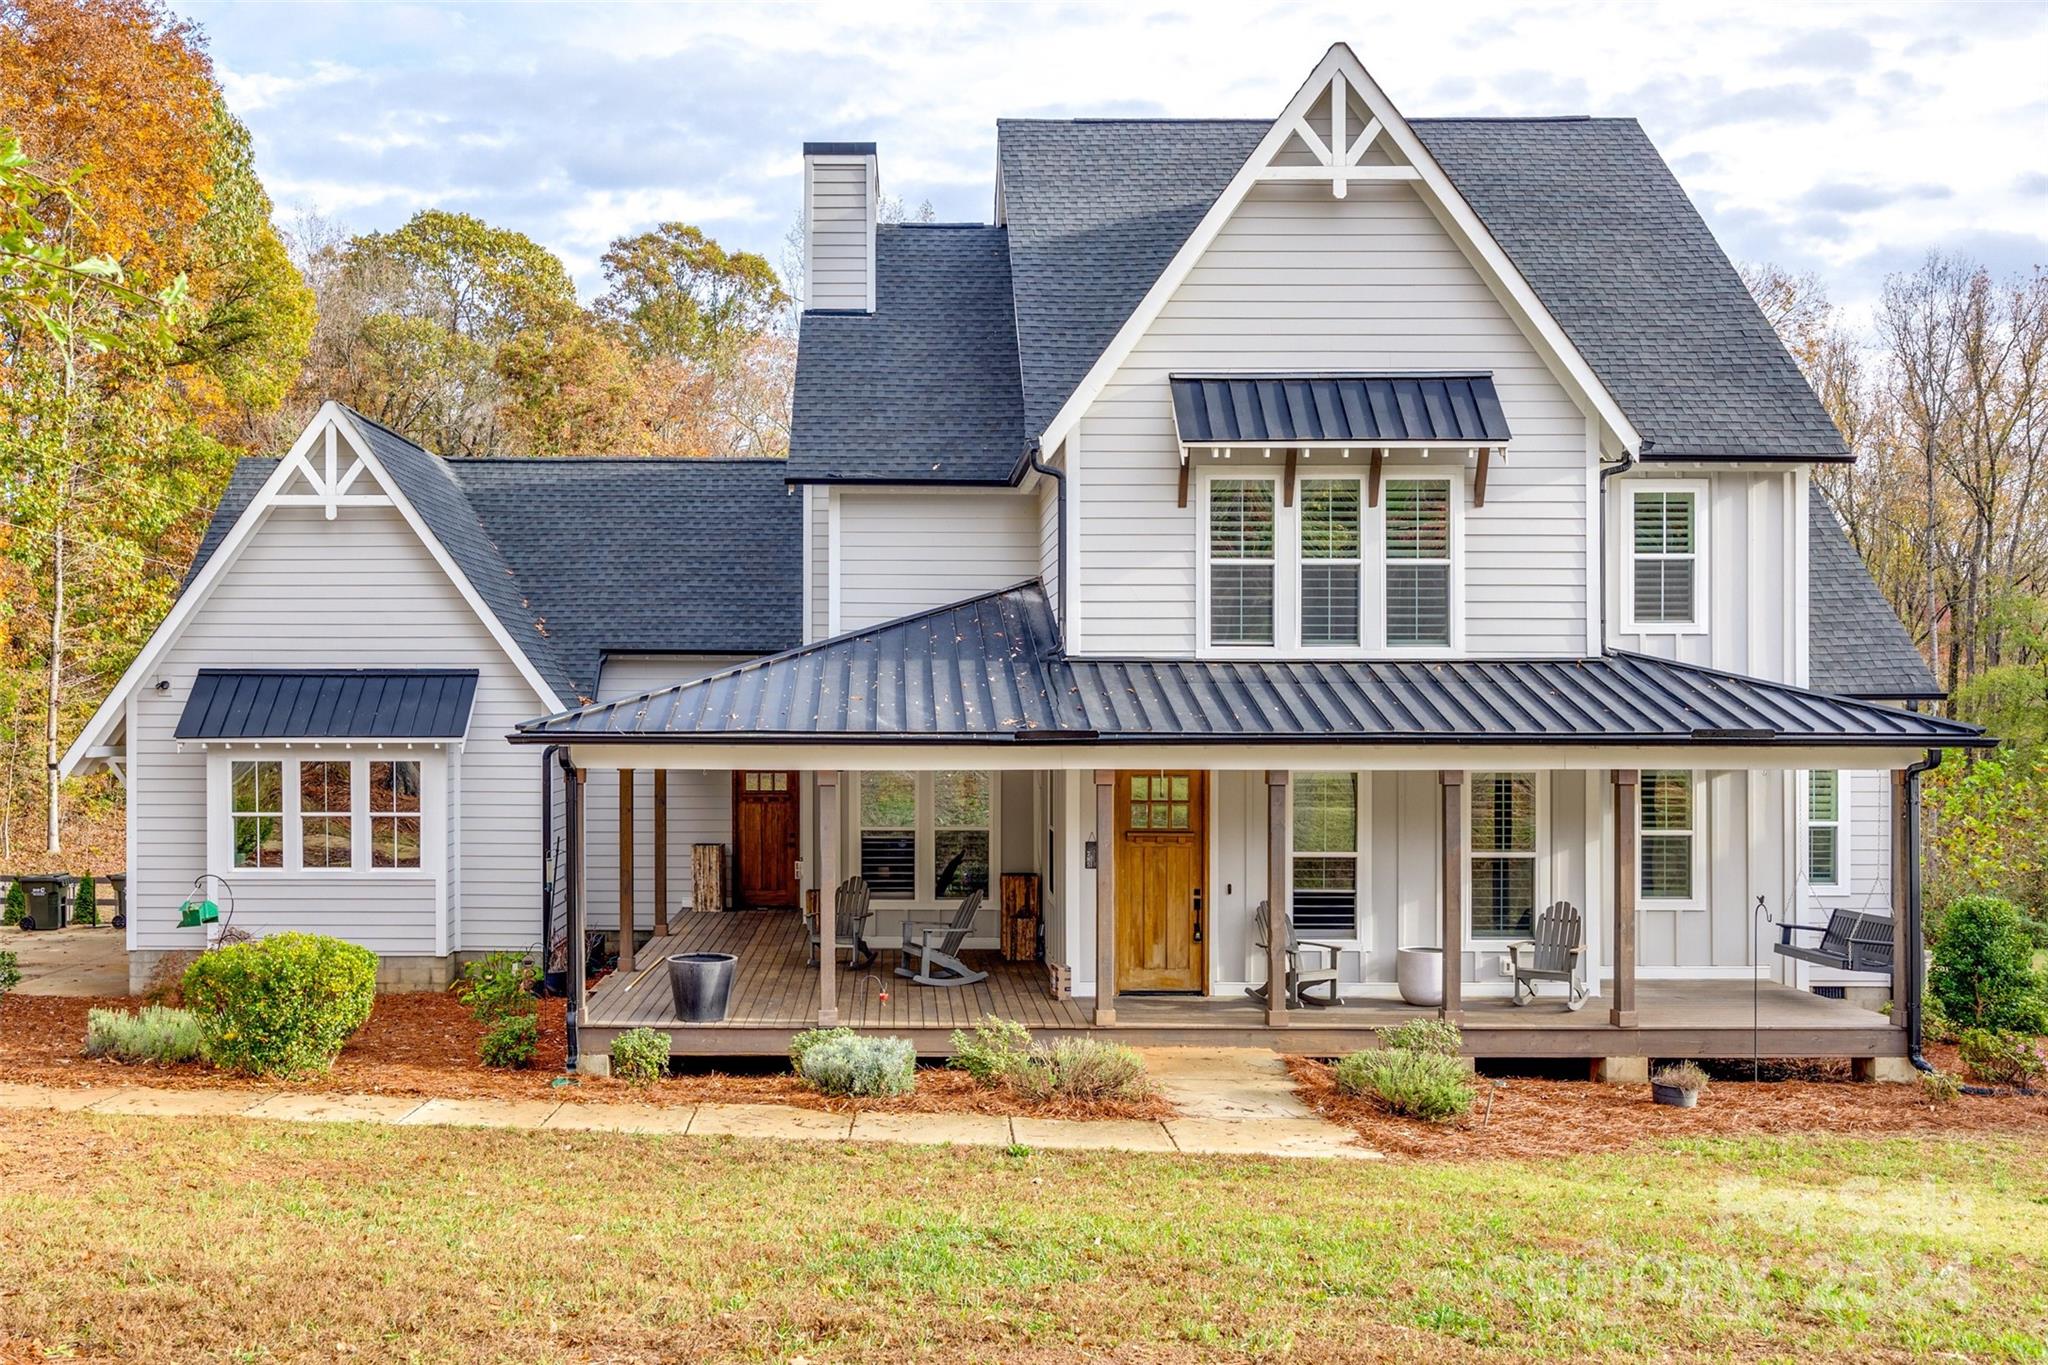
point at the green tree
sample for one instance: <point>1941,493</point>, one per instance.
<point>675,293</point>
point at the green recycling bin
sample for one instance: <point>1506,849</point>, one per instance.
<point>49,901</point>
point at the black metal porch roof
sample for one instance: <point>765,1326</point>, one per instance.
<point>990,670</point>
<point>1338,407</point>
<point>328,703</point>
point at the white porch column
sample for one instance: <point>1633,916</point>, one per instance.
<point>828,897</point>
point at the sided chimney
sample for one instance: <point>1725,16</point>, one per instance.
<point>840,195</point>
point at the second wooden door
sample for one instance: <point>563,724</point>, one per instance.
<point>764,839</point>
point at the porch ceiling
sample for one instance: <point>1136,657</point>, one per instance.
<point>990,671</point>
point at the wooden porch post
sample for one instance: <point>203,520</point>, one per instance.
<point>1452,783</point>
<point>626,963</point>
<point>1904,855</point>
<point>828,897</point>
<point>1622,1011</point>
<point>1278,846</point>
<point>1105,897</point>
<point>661,852</point>
<point>579,901</point>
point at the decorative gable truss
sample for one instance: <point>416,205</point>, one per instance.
<point>1322,146</point>
<point>325,473</point>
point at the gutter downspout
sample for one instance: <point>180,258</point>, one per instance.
<point>1035,459</point>
<point>1628,462</point>
<point>1916,955</point>
<point>577,965</point>
<point>547,858</point>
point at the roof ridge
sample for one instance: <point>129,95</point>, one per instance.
<point>542,460</point>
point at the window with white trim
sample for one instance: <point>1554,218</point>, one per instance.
<point>1503,855</point>
<point>1243,558</point>
<point>1827,841</point>
<point>256,803</point>
<point>395,813</point>
<point>926,836</point>
<point>326,813</point>
<point>1668,837</point>
<point>1332,561</point>
<point>1666,581</point>
<point>1418,562</point>
<point>1325,854</point>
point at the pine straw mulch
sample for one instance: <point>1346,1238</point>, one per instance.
<point>1536,1117</point>
<point>425,1044</point>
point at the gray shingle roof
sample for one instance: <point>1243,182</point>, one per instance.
<point>576,557</point>
<point>924,388</point>
<point>329,703</point>
<point>1095,208</point>
<point>1856,645</point>
<point>990,669</point>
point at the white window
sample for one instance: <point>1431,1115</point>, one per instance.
<point>326,813</point>
<point>926,836</point>
<point>1332,562</point>
<point>1325,884</point>
<point>395,813</point>
<point>1504,862</point>
<point>1827,830</point>
<point>1669,845</point>
<point>256,800</point>
<point>1418,563</point>
<point>1243,537</point>
<point>1666,585</point>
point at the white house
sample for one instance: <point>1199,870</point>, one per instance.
<point>1405,522</point>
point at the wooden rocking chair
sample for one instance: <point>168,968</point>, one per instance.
<point>1553,955</point>
<point>849,922</point>
<point>938,963</point>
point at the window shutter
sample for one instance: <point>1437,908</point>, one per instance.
<point>1241,528</point>
<point>1331,537</point>
<point>1418,561</point>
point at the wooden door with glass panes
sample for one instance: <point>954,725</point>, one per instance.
<point>764,838</point>
<point>1162,857</point>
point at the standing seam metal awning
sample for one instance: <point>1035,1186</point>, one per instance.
<point>1360,408</point>
<point>331,703</point>
<point>991,670</point>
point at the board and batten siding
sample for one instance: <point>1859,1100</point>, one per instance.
<point>840,214</point>
<point>817,611</point>
<point>357,592</point>
<point>1300,282</point>
<point>904,551</point>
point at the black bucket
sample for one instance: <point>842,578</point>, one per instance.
<point>702,985</point>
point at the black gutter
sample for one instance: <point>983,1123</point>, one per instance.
<point>1434,739</point>
<point>1035,456</point>
<point>1628,462</point>
<point>1910,941</point>
<point>548,757</point>
<point>578,968</point>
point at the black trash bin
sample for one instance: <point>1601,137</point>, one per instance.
<point>48,901</point>
<point>119,881</point>
<point>702,985</point>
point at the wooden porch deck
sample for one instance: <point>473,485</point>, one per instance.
<point>775,994</point>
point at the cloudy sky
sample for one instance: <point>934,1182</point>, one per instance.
<point>1844,139</point>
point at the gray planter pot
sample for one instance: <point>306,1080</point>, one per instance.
<point>702,985</point>
<point>1419,972</point>
<point>1674,1096</point>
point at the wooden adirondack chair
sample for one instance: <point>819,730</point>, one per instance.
<point>1553,955</point>
<point>938,962</point>
<point>850,921</point>
<point>1300,979</point>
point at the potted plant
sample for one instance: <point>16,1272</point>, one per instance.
<point>1678,1085</point>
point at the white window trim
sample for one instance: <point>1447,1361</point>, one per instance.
<point>220,843</point>
<point>1844,784</point>
<point>924,895</point>
<point>1301,561</point>
<point>1288,560</point>
<point>1361,920</point>
<point>1473,943</point>
<point>1698,899</point>
<point>1702,539</point>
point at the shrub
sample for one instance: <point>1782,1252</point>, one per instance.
<point>151,1034</point>
<point>1081,1069</point>
<point>16,906</point>
<point>640,1056</point>
<point>1687,1076</point>
<point>810,1038</point>
<point>857,1065</point>
<point>510,1042</point>
<point>1401,1080</point>
<point>282,1005</point>
<point>10,972</point>
<point>1940,1087</point>
<point>990,1050</point>
<point>2000,1058</point>
<point>166,984</point>
<point>498,986</point>
<point>1935,1025</point>
<point>1424,1035</point>
<point>1984,968</point>
<point>85,903</point>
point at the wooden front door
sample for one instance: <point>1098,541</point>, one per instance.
<point>764,840</point>
<point>1162,857</point>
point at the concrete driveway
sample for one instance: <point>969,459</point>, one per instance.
<point>69,961</point>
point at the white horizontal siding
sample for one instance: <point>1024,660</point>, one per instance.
<point>839,214</point>
<point>904,552</point>
<point>817,562</point>
<point>1299,281</point>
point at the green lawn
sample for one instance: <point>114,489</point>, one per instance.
<point>177,1240</point>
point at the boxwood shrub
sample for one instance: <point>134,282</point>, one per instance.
<point>280,1006</point>
<point>640,1055</point>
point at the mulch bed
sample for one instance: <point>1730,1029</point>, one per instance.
<point>426,1044</point>
<point>1549,1118</point>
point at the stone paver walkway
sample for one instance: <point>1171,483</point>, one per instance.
<point>1230,1105</point>
<point>69,961</point>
